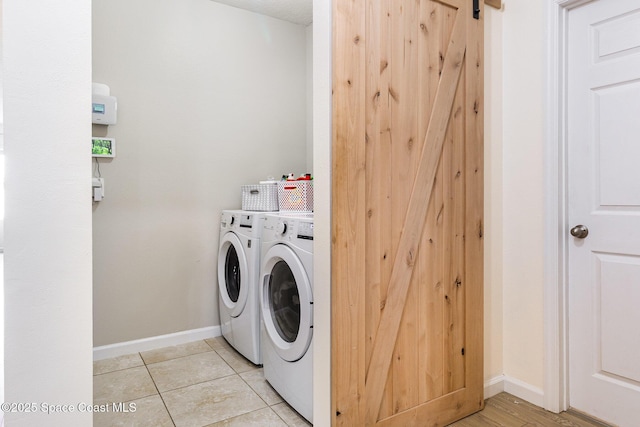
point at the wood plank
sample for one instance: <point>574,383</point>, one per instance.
<point>447,284</point>
<point>381,31</point>
<point>525,412</point>
<point>398,167</point>
<point>435,33</point>
<point>422,264</point>
<point>348,209</point>
<point>405,78</point>
<point>493,416</point>
<point>436,314</point>
<point>494,3</point>
<point>456,277</point>
<point>414,223</point>
<point>430,270</point>
<point>474,206</point>
<point>519,412</point>
<point>375,178</point>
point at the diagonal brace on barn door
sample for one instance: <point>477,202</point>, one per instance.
<point>402,269</point>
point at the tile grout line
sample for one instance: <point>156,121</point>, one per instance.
<point>268,406</point>
<point>197,383</point>
<point>118,370</point>
<point>159,394</point>
<point>265,402</point>
<point>252,389</point>
<point>180,357</point>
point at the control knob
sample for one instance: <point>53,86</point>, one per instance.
<point>281,228</point>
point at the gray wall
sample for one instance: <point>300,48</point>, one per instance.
<point>210,97</point>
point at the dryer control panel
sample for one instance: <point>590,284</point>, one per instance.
<point>305,230</point>
<point>292,228</point>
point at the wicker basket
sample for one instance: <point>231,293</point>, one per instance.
<point>260,197</point>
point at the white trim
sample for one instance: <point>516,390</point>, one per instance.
<point>556,379</point>
<point>524,391</point>
<point>152,343</point>
<point>554,262</point>
<point>493,386</point>
<point>514,386</point>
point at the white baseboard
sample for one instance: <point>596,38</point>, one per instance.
<point>152,343</point>
<point>514,386</point>
<point>493,386</point>
<point>524,391</point>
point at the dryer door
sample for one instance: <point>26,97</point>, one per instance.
<point>287,303</point>
<point>232,270</point>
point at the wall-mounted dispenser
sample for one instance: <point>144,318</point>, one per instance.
<point>104,107</point>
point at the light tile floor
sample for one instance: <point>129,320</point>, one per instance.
<point>199,384</point>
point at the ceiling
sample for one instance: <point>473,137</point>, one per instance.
<point>296,11</point>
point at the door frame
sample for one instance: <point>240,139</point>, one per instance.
<point>556,280</point>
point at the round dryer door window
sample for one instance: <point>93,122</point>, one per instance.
<point>232,270</point>
<point>287,303</point>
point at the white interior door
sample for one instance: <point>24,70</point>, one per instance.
<point>604,196</point>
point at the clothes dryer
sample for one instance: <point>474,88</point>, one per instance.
<point>286,299</point>
<point>238,281</point>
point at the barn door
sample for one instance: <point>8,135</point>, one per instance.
<point>407,202</point>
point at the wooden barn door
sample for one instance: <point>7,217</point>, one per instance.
<point>407,204</point>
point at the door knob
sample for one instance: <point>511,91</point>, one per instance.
<point>579,231</point>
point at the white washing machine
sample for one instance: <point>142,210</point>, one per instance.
<point>286,298</point>
<point>238,281</point>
